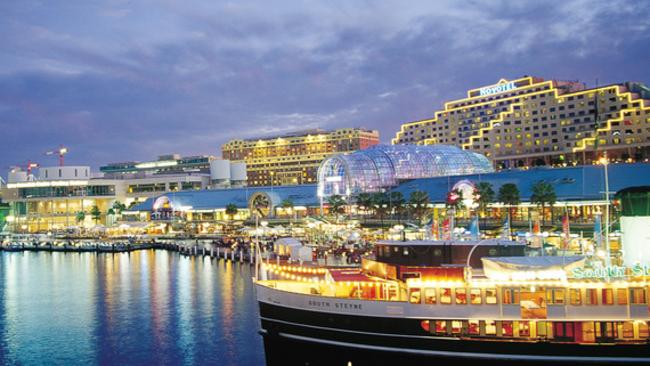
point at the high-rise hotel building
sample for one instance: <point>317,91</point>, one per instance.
<point>532,121</point>
<point>294,158</point>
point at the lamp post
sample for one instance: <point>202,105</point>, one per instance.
<point>605,162</point>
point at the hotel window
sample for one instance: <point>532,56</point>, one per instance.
<point>524,329</point>
<point>430,296</point>
<point>575,297</point>
<point>621,296</point>
<point>461,296</point>
<point>475,296</point>
<point>474,327</point>
<point>607,296</point>
<point>555,296</point>
<point>506,329</point>
<point>510,296</point>
<point>490,327</point>
<point>445,296</point>
<point>490,296</point>
<point>637,296</point>
<point>591,297</point>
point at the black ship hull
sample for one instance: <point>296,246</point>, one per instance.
<point>308,337</point>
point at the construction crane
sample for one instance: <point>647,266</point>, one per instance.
<point>28,167</point>
<point>62,150</point>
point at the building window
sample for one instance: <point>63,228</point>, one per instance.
<point>637,296</point>
<point>474,327</point>
<point>575,297</point>
<point>510,296</point>
<point>430,296</point>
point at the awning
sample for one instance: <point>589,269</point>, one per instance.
<point>530,268</point>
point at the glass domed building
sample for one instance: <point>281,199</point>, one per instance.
<point>383,166</point>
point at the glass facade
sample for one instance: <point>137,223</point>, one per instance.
<point>383,166</point>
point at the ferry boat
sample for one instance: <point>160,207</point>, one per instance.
<point>482,300</point>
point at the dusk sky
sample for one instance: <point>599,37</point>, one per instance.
<point>131,80</point>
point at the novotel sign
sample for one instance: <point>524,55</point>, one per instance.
<point>637,270</point>
<point>499,88</point>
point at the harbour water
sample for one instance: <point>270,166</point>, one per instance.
<point>141,308</point>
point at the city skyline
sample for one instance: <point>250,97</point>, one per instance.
<point>118,81</point>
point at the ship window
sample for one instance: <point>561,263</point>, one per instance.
<point>475,296</point>
<point>637,296</point>
<point>490,296</point>
<point>506,329</point>
<point>461,296</point>
<point>607,296</point>
<point>510,296</point>
<point>555,296</point>
<point>445,296</point>
<point>524,329</point>
<point>592,297</point>
<point>456,326</point>
<point>430,296</point>
<point>490,327</point>
<point>621,295</point>
<point>575,296</point>
<point>414,295</point>
<point>644,331</point>
<point>627,330</point>
<point>474,327</point>
<point>441,326</point>
<point>541,329</point>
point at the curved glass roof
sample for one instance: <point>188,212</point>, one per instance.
<point>383,166</point>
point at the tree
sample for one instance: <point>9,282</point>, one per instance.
<point>419,202</point>
<point>455,200</point>
<point>118,207</point>
<point>485,196</point>
<point>380,205</point>
<point>364,200</point>
<point>287,205</point>
<point>509,195</point>
<point>336,204</point>
<point>231,210</point>
<point>396,201</point>
<point>543,194</point>
<point>80,216</point>
<point>95,213</point>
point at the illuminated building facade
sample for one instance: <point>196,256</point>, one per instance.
<point>532,121</point>
<point>294,158</point>
<point>166,164</point>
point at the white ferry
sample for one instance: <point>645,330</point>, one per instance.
<point>464,300</point>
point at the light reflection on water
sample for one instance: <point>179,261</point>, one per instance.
<point>146,307</point>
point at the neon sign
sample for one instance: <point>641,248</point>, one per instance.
<point>499,88</point>
<point>636,270</point>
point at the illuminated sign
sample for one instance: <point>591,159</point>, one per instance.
<point>499,88</point>
<point>636,270</point>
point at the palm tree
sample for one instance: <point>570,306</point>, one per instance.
<point>231,210</point>
<point>95,213</point>
<point>118,207</point>
<point>287,205</point>
<point>336,204</point>
<point>419,200</point>
<point>80,216</point>
<point>485,196</point>
<point>396,201</point>
<point>380,205</point>
<point>455,200</point>
<point>509,196</point>
<point>364,200</point>
<point>543,194</point>
<point>110,214</point>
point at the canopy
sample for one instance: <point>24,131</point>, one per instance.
<point>530,268</point>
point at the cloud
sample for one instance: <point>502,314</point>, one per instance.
<point>131,80</point>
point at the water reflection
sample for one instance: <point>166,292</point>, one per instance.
<point>140,308</point>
